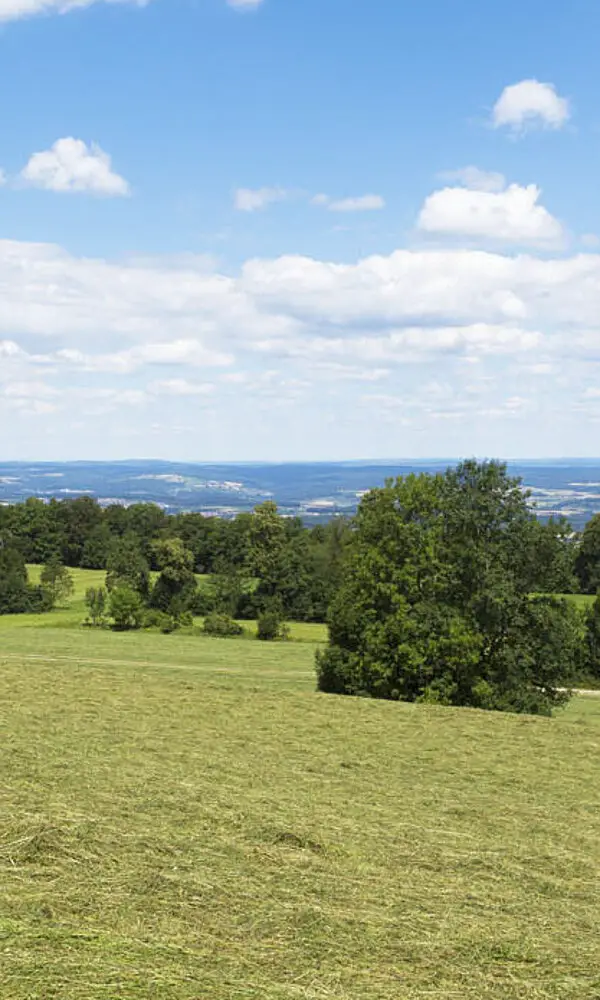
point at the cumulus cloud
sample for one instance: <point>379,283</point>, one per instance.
<point>530,104</point>
<point>94,336</point>
<point>70,166</point>
<point>363,203</point>
<point>255,199</point>
<point>513,215</point>
<point>347,321</point>
<point>13,10</point>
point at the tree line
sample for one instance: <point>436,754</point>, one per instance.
<point>258,562</point>
<point>439,589</point>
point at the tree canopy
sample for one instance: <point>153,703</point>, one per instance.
<point>435,601</point>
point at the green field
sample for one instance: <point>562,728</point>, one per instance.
<point>184,817</point>
<point>74,613</point>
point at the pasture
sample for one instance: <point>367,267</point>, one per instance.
<point>184,817</point>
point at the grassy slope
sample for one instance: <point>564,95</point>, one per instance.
<point>182,818</point>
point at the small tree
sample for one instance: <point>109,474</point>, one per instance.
<point>57,581</point>
<point>271,626</point>
<point>126,609</point>
<point>95,600</point>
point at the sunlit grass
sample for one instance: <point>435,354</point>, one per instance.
<point>184,817</point>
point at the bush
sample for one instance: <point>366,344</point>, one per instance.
<point>202,603</point>
<point>160,620</point>
<point>270,626</point>
<point>126,609</point>
<point>221,625</point>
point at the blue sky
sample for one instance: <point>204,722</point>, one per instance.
<point>299,230</point>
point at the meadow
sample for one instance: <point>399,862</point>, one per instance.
<point>184,817</point>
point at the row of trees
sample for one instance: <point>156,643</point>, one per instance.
<point>256,559</point>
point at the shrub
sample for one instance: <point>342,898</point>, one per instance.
<point>126,609</point>
<point>160,620</point>
<point>270,626</point>
<point>95,600</point>
<point>221,625</point>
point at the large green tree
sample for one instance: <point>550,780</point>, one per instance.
<point>435,599</point>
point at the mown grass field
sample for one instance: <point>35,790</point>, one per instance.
<point>184,817</point>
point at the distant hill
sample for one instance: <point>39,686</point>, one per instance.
<point>312,490</point>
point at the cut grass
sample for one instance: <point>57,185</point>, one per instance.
<point>184,817</point>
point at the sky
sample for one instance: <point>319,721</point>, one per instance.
<point>285,230</point>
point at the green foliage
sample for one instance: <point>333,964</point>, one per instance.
<point>127,566</point>
<point>175,588</point>
<point>126,608</point>
<point>591,664</point>
<point>587,563</point>
<point>271,626</point>
<point>434,603</point>
<point>97,547</point>
<point>96,603</point>
<point>202,602</point>
<point>17,596</point>
<point>56,581</point>
<point>221,626</point>
<point>165,622</point>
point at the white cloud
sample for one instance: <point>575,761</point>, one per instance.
<point>363,203</point>
<point>177,352</point>
<point>180,387</point>
<point>299,334</point>
<point>13,10</point>
<point>253,200</point>
<point>70,165</point>
<point>244,4</point>
<point>476,179</point>
<point>513,215</point>
<point>530,104</point>
<point>8,349</point>
<point>116,318</point>
<point>30,390</point>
